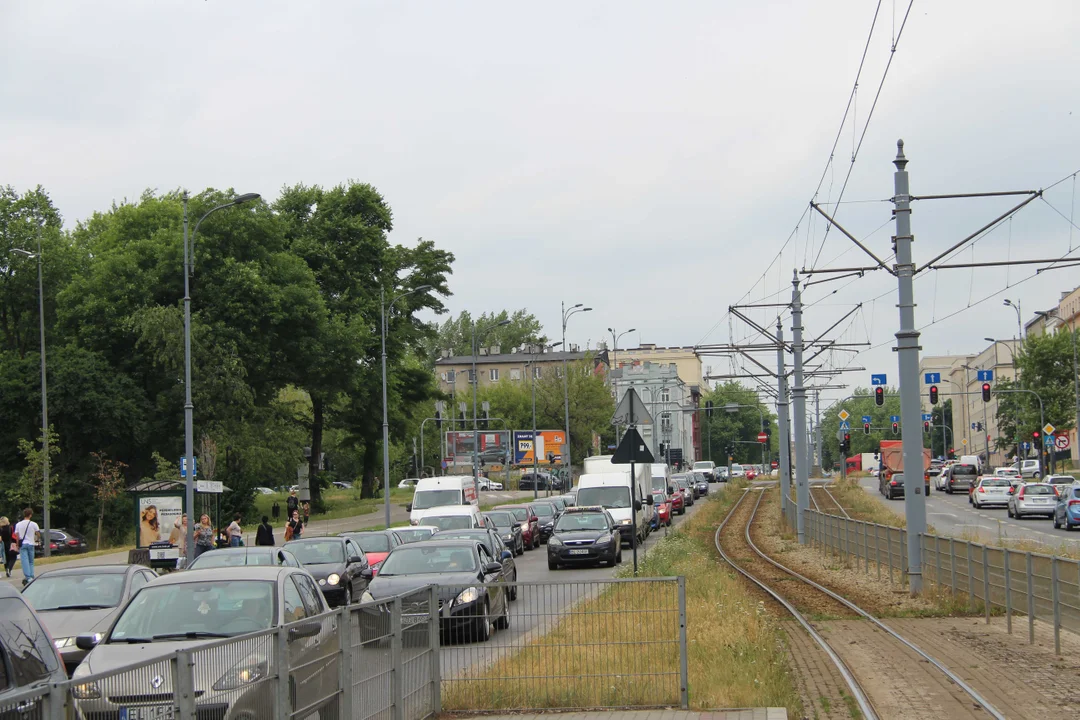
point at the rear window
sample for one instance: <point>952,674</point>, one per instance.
<point>1039,490</point>
<point>996,483</point>
<point>25,642</point>
<point>965,470</point>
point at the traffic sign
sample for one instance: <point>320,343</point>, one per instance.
<point>762,437</point>
<point>986,376</point>
<point>194,465</point>
<point>1061,442</point>
<point>932,378</point>
<point>1048,441</point>
<point>1049,429</point>
<point>844,414</point>
<point>1025,445</point>
<point>894,418</point>
<point>845,425</point>
<point>631,411</point>
<point>878,379</point>
<point>963,441</point>
<point>927,417</point>
<point>632,449</point>
<point>866,419</point>
<point>774,464</point>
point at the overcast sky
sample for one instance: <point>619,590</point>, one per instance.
<point>647,159</point>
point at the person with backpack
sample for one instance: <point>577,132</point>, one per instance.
<point>292,504</point>
<point>11,548</point>
<point>265,534</point>
<point>27,531</point>
<point>295,527</point>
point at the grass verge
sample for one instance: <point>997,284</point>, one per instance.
<point>620,648</point>
<point>342,504</point>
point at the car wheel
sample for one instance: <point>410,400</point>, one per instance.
<point>482,628</point>
<point>503,621</point>
<point>521,547</point>
<point>1009,511</point>
<point>948,490</point>
<point>536,541</point>
<point>552,565</point>
<point>1057,525</point>
<point>511,591</point>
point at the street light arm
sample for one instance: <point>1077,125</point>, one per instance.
<point>235,201</point>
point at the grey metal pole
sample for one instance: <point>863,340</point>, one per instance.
<point>536,470</point>
<point>798,397</point>
<point>475,434</point>
<point>907,341</point>
<point>782,418</point>
<point>566,408</point>
<point>1076,389</point>
<point>189,408</point>
<point>385,415</point>
<point>46,540</point>
<point>817,432</point>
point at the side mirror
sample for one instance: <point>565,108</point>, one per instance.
<point>670,490</point>
<point>506,555</point>
<point>408,508</point>
<point>305,630</point>
<point>492,568</point>
<point>366,573</point>
<point>86,642</point>
<point>356,559</point>
<point>637,506</point>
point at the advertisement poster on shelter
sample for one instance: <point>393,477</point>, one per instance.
<point>549,445</point>
<point>160,520</point>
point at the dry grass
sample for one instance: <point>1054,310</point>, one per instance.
<point>861,506</point>
<point>606,651</point>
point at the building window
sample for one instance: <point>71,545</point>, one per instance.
<point>665,395</point>
<point>536,372</point>
<point>472,376</point>
<point>494,375</point>
<point>515,374</point>
<point>665,422</point>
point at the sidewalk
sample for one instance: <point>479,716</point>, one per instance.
<point>739,714</point>
<point>316,527</point>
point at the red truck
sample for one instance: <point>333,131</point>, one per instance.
<point>892,463</point>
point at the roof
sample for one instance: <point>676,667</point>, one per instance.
<point>516,358</point>
<point>433,542</point>
<point>95,569</point>
<point>164,486</point>
<point>351,533</point>
<point>8,590</point>
<point>248,572</point>
<point>321,538</point>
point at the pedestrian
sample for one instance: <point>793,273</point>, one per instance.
<point>178,536</point>
<point>11,548</point>
<point>204,535</point>
<point>235,532</point>
<point>275,511</point>
<point>27,531</point>
<point>307,511</point>
<point>295,528</point>
<point>265,534</point>
<point>292,503</point>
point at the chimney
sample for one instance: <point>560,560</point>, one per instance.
<point>495,349</point>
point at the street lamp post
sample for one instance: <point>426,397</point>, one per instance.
<point>531,368</point>
<point>475,382</point>
<point>383,306</point>
<point>614,363</point>
<point>1019,323</point>
<point>44,398</point>
<point>566,313</point>
<point>189,408</point>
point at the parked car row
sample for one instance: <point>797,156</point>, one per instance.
<point>1016,489</point>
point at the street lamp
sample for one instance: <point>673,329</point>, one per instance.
<point>614,364</point>
<point>385,423</point>
<point>475,382</point>
<point>566,314</point>
<point>1019,325</point>
<point>189,408</point>
<point>531,365</point>
<point>44,395</point>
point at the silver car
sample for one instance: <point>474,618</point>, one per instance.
<point>1033,499</point>
<point>990,490</point>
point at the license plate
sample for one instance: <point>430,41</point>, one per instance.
<point>413,619</point>
<point>578,552</point>
<point>149,712</point>
<point>1040,501</point>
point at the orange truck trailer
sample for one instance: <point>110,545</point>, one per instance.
<point>892,462</point>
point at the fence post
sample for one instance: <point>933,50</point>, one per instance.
<point>847,541</point>
<point>865,549</point>
<point>684,668</point>
<point>1008,590</point>
<point>183,677</point>
<point>396,674</point>
<point>952,566</point>
<point>281,650</point>
<point>1030,600</point>
<point>986,582</point>
<point>888,549</point>
<point>57,702</point>
<point>435,649</point>
<point>1055,594</point>
<point>877,550</point>
<point>904,557</point>
<point>345,643</point>
<point>971,578</point>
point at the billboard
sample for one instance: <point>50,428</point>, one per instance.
<point>159,519</point>
<point>549,445</point>
<point>494,446</point>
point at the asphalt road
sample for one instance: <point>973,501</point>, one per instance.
<point>951,515</point>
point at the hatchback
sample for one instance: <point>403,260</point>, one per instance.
<point>1061,483</point>
<point>990,490</point>
<point>1067,510</point>
<point>1032,499</point>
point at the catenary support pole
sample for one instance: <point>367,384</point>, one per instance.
<point>907,348</point>
<point>798,397</point>
<point>819,453</point>
<point>782,419</point>
<point>189,407</point>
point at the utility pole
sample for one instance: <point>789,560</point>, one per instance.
<point>907,348</point>
<point>782,419</point>
<point>819,454</point>
<point>798,396</point>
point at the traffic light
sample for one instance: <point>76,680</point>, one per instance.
<point>933,394</point>
<point>926,426</point>
<point>845,443</point>
<point>438,420</point>
<point>879,396</point>
<point>708,408</point>
<point>1036,437</point>
<point>895,428</point>
<point>866,428</point>
<point>986,392</point>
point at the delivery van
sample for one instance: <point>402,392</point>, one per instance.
<point>434,492</point>
<point>612,491</point>
<point>602,465</point>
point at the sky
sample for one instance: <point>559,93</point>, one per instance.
<point>654,161</point>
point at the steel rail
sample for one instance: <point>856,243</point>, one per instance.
<point>835,502</point>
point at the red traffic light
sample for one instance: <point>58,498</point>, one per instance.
<point>933,394</point>
<point>866,428</point>
<point>986,392</point>
<point>895,428</point>
<point>1036,434</point>
<point>926,426</point>
<point>847,437</point>
<point>879,395</point>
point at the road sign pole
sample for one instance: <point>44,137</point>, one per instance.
<point>798,397</point>
<point>907,348</point>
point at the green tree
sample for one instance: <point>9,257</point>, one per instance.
<point>861,403</point>
<point>739,428</point>
<point>455,333</point>
<point>29,491</point>
<point>108,480</point>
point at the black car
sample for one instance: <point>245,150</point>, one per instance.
<point>547,513</point>
<point>585,535</point>
<point>31,661</point>
<point>338,565</point>
<point>494,544</point>
<point>539,481</point>
<point>64,542</point>
<point>471,594</point>
<point>508,528</point>
<point>266,555</point>
<point>701,483</point>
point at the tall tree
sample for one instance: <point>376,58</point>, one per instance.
<point>740,427</point>
<point>455,333</point>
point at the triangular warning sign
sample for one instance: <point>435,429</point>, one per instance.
<point>632,449</point>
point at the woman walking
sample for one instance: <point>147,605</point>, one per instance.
<point>11,548</point>
<point>235,531</point>
<point>27,530</point>
<point>204,535</point>
<point>295,528</point>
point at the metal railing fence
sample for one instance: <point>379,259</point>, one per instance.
<point>1028,584</point>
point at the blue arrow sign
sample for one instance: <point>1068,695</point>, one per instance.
<point>866,419</point>
<point>877,379</point>
<point>894,418</point>
<point>927,416</point>
<point>1025,445</point>
<point>986,376</point>
<point>932,378</point>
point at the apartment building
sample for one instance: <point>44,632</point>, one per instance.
<point>454,372</point>
<point>671,402</point>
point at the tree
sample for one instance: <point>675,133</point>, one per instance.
<point>455,334</point>
<point>738,429</point>
<point>29,491</point>
<point>108,484</point>
<point>941,440</point>
<point>860,404</point>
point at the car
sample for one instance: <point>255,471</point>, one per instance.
<point>376,545</point>
<point>939,479</point>
<point>414,533</point>
<point>559,501</point>
<point>678,499</point>
<point>494,544</point>
<point>243,556</point>
<point>571,497</point>
<point>737,471</point>
<point>506,525</point>
<point>338,565</point>
<point>1029,469</point>
<point>1067,508</point>
<point>539,481</point>
<point>683,485</point>
<point>707,468</point>
<point>962,477</point>
<point>487,484</point>
<point>32,661</point>
<point>751,473</point>
<point>264,490</point>
<point>441,492</point>
<point>585,535</point>
<point>722,473</point>
<point>408,483</point>
<point>990,490</point>
<point>701,485</point>
<point>471,595</point>
<point>1009,472</point>
<point>64,542</point>
<point>662,504</point>
<point>546,514</point>
<point>187,610</point>
<point>496,455</point>
<point>1061,483</point>
<point>82,601</point>
<point>891,486</point>
<point>454,517</point>
<point>342,485</point>
<point>1032,499</point>
<point>530,524</point>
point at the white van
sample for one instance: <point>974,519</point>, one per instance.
<point>707,468</point>
<point>602,465</point>
<point>972,460</point>
<point>436,492</point>
<point>612,491</point>
<point>454,517</point>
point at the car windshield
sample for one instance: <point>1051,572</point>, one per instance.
<point>965,470</point>
<point>1060,479</point>
<point>374,542</point>
<point>411,535</point>
<point>1038,490</point>
<point>202,609</point>
<point>659,482</point>
<point>318,552</point>
<point>424,499</point>
<point>703,465</point>
<point>81,591</point>
<point>609,497</point>
<point>502,520</point>
<point>450,522</point>
<point>736,468</point>
<point>574,522</point>
<point>543,510</point>
<point>428,558</point>
<point>995,483</point>
<point>232,558</point>
<point>520,514</point>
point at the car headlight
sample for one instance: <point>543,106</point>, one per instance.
<point>333,579</point>
<point>375,566</point>
<point>61,643</point>
<point>625,522</point>
<point>468,595</point>
<point>603,540</point>
<point>367,597</point>
<point>252,669</point>
<point>554,540</point>
<point>509,536</point>
<point>84,691</point>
